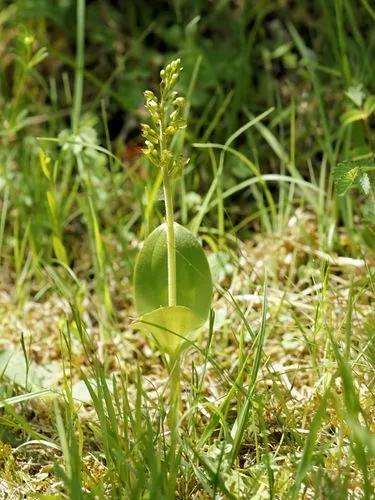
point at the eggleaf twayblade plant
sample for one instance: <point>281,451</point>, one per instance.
<point>172,279</point>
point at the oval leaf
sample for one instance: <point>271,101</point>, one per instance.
<point>194,283</point>
<point>170,326</point>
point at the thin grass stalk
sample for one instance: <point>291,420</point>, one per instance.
<point>79,63</point>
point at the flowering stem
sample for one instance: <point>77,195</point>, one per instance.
<point>174,366</point>
<point>167,117</point>
<point>169,213</point>
<point>171,247</point>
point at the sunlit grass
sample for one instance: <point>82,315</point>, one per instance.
<point>277,390</point>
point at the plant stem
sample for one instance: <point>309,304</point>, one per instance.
<point>175,388</point>
<point>174,413</point>
<point>174,367</point>
<point>171,248</point>
<point>169,215</point>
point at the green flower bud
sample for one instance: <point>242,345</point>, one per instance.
<point>179,102</point>
<point>150,95</point>
<point>166,117</point>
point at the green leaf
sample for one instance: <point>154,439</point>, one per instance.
<point>356,94</point>
<point>59,250</point>
<point>38,57</point>
<point>194,283</point>
<point>21,398</point>
<point>344,175</point>
<point>170,326</point>
<point>44,163</point>
<point>369,106</point>
<point>353,115</point>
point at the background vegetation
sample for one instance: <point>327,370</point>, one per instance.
<point>279,388</point>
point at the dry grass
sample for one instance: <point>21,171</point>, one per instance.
<point>307,292</point>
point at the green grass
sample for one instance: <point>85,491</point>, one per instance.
<point>278,388</point>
